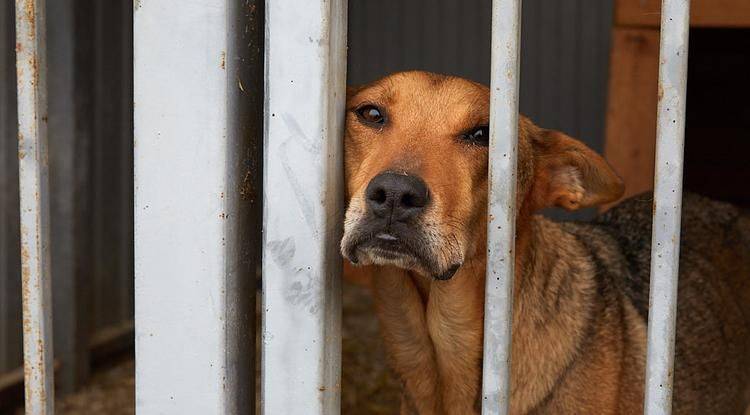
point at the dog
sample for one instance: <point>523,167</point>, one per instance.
<point>415,227</point>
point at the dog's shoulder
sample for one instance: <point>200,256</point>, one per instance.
<point>617,267</point>
<point>629,226</point>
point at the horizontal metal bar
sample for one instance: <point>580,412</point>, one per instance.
<point>303,206</point>
<point>31,68</point>
<point>504,83</point>
<point>193,302</point>
<point>665,239</point>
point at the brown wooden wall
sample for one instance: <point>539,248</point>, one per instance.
<point>719,39</point>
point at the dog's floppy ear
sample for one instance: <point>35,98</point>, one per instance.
<point>569,175</point>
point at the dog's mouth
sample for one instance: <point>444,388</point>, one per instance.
<point>393,248</point>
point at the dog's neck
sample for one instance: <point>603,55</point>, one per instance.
<point>551,284</point>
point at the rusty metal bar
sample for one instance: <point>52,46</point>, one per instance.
<point>665,242</point>
<point>504,82</point>
<point>303,206</point>
<point>32,169</point>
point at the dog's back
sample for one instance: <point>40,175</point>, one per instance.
<point>712,360</point>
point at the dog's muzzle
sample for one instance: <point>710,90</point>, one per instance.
<point>389,230</point>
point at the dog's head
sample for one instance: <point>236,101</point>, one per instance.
<point>416,172</point>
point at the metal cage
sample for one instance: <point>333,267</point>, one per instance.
<point>191,110</point>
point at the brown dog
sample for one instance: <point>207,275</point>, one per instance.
<point>416,171</point>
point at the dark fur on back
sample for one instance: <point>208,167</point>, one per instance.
<point>712,360</point>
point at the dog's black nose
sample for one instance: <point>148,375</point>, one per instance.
<point>399,196</point>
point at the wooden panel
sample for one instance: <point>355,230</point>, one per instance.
<point>704,13</point>
<point>631,112</point>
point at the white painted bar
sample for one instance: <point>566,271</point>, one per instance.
<point>303,208</point>
<point>31,69</point>
<point>187,215</point>
<point>665,239</point>
<point>501,226</point>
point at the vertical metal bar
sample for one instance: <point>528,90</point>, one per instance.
<point>303,210</point>
<point>244,64</point>
<point>504,77</point>
<point>665,238</point>
<point>193,287</point>
<point>31,68</point>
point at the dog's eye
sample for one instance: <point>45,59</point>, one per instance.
<point>479,136</point>
<point>371,114</point>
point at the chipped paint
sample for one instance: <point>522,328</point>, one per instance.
<point>32,157</point>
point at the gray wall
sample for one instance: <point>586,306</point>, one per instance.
<point>564,62</point>
<point>89,47</point>
<point>10,263</point>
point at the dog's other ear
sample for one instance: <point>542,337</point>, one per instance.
<point>569,175</point>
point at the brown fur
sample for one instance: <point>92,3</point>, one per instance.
<point>580,298</point>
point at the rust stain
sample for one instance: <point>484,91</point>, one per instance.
<point>29,16</point>
<point>27,373</point>
<point>246,188</point>
<point>28,8</point>
<point>34,369</point>
<point>25,296</point>
<point>25,261</point>
<point>21,150</point>
<point>661,93</point>
<point>34,70</point>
